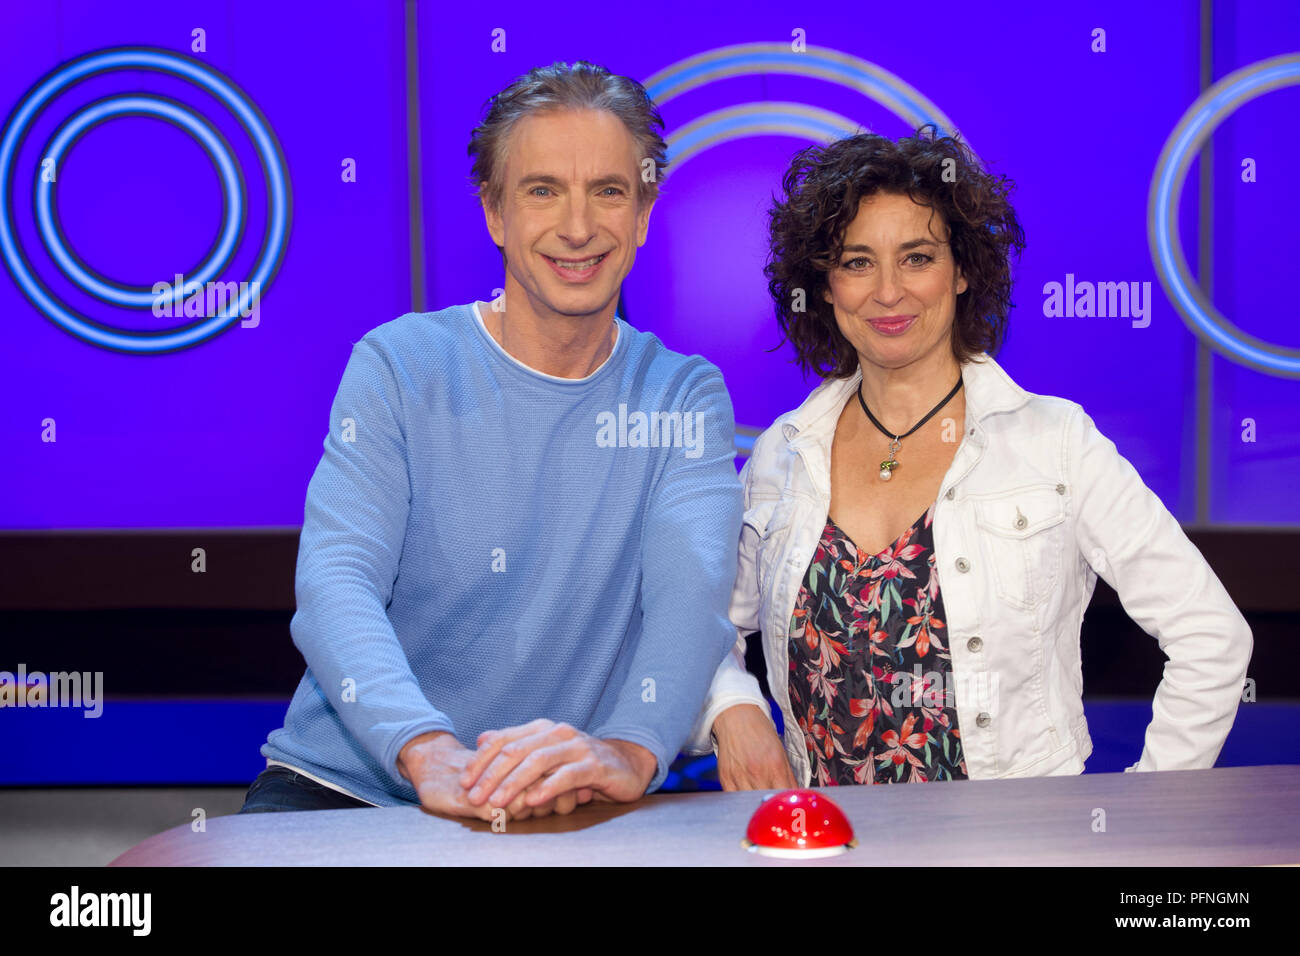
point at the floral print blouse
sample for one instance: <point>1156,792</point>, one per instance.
<point>869,664</point>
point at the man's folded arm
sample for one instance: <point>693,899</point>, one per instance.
<point>688,569</point>
<point>353,530</point>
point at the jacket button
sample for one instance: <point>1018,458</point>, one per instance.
<point>963,565</point>
<point>983,720</point>
<point>951,492</point>
<point>1060,489</point>
<point>974,644</point>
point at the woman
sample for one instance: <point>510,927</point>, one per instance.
<point>922,535</point>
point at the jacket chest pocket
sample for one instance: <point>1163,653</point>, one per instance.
<point>1022,536</point>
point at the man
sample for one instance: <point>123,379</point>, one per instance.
<point>519,544</point>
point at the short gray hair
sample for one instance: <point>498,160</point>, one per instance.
<point>559,86</point>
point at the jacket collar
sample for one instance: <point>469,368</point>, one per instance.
<point>989,390</point>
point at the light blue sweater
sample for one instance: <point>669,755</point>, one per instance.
<point>484,545</point>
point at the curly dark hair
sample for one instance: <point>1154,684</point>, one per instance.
<point>823,187</point>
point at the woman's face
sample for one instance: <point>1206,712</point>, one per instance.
<point>895,287</point>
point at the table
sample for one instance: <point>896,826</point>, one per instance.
<point>1230,816</point>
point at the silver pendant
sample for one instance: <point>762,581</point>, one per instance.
<point>889,464</point>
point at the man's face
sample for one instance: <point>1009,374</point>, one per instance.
<point>570,220</point>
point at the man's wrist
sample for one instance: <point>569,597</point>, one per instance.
<point>438,739</point>
<point>643,762</point>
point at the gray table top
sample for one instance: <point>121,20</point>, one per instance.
<point>1230,816</point>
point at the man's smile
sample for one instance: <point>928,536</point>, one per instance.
<point>576,270</point>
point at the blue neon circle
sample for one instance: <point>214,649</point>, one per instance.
<point>272,250</point>
<point>1200,121</point>
<point>216,149</point>
<point>746,125</point>
<point>902,99</point>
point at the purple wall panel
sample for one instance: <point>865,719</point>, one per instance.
<point>225,433</point>
<point>1255,247</point>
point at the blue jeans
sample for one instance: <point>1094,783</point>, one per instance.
<point>279,789</point>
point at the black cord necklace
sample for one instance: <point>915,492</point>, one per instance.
<point>896,441</point>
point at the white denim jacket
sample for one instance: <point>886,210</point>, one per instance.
<point>1036,504</point>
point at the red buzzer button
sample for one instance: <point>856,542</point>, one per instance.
<point>798,823</point>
